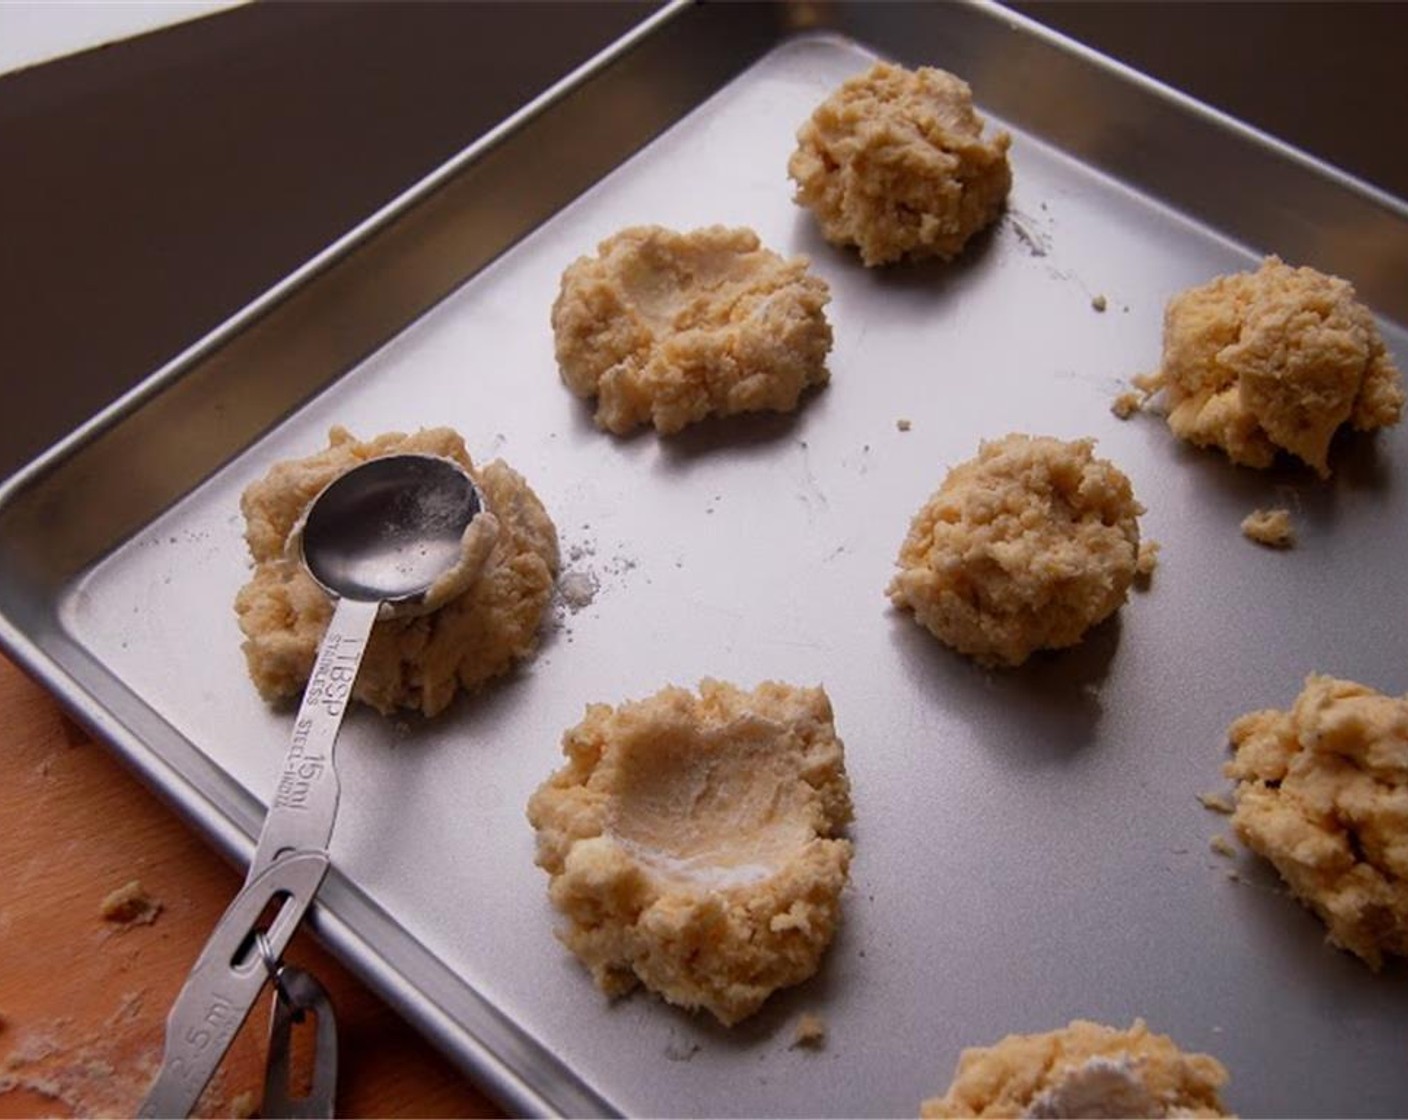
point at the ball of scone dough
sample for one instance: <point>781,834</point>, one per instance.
<point>667,328</point>
<point>1023,548</point>
<point>692,842</point>
<point>413,662</point>
<point>1084,1069</point>
<point>1274,360</point>
<point>1322,792</point>
<point>895,163</point>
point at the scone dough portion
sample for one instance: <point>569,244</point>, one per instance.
<point>1322,792</point>
<point>1274,360</point>
<point>1084,1069</point>
<point>410,662</point>
<point>895,163</point>
<point>1023,548</point>
<point>667,328</point>
<point>692,842</point>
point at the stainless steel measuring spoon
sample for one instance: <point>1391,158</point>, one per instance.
<point>383,534</point>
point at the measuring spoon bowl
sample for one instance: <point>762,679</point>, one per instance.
<point>388,529</point>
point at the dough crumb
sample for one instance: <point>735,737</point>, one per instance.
<point>669,328</point>
<point>1321,793</point>
<point>1271,527</point>
<point>416,661</point>
<point>1222,846</point>
<point>1146,561</point>
<point>894,162</point>
<point>1099,303</point>
<point>130,905</point>
<point>1127,404</point>
<point>1146,387</point>
<point>810,1033</point>
<point>1216,802</point>
<point>692,842</point>
<point>1275,360</point>
<point>243,1106</point>
<point>903,424</point>
<point>1025,547</point>
<point>1083,1069</point>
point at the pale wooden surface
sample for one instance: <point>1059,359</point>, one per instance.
<point>82,1000</point>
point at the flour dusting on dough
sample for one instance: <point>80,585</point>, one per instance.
<point>416,661</point>
<point>692,842</point>
<point>1086,1070</point>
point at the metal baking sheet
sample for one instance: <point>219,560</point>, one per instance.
<point>1029,847</point>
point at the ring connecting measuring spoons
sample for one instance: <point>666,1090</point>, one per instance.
<point>383,534</point>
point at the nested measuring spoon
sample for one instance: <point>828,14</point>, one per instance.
<point>383,535</point>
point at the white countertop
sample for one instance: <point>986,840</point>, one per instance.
<point>35,31</point>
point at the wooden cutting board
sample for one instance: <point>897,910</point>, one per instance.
<point>83,1000</point>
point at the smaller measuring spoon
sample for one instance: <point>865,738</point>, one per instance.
<point>383,534</point>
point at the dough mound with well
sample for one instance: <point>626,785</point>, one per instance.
<point>1025,547</point>
<point>1084,1069</point>
<point>418,661</point>
<point>895,163</point>
<point>668,328</point>
<point>1274,360</point>
<point>693,843</point>
<point>1322,792</point>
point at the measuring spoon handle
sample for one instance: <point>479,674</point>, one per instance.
<point>304,803</point>
<point>226,979</point>
<point>289,863</point>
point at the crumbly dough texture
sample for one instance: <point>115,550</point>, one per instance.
<point>1322,792</point>
<point>1146,559</point>
<point>668,328</point>
<point>1023,548</point>
<point>1084,1069</point>
<point>130,905</point>
<point>1274,360</point>
<point>810,1032</point>
<point>410,662</point>
<point>1271,527</point>
<point>692,842</point>
<point>1127,404</point>
<point>895,163</point>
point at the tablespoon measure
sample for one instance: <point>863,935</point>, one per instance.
<point>380,535</point>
